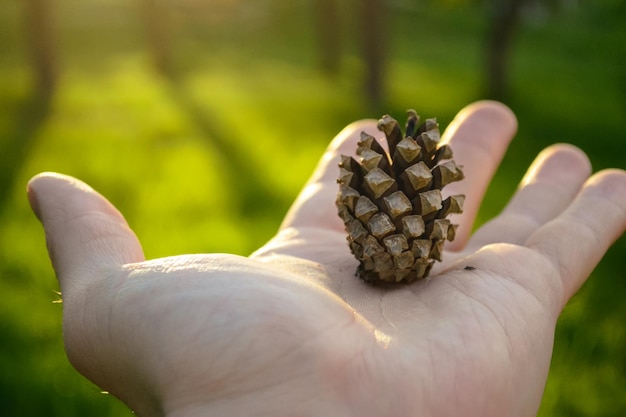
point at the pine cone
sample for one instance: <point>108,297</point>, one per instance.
<point>391,202</point>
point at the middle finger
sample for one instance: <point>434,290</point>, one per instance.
<point>549,186</point>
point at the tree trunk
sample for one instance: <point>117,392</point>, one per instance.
<point>158,34</point>
<point>30,116</point>
<point>373,38</point>
<point>328,35</point>
<point>504,21</point>
<point>40,41</point>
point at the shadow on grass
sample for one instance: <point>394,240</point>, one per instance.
<point>16,146</point>
<point>251,195</point>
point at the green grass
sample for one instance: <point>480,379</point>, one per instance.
<point>211,162</point>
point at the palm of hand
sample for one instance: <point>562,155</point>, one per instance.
<point>291,328</point>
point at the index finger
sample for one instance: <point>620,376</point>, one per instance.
<point>315,205</point>
<point>479,137</point>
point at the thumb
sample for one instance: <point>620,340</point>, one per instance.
<point>84,232</point>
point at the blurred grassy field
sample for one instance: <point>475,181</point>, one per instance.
<point>211,161</point>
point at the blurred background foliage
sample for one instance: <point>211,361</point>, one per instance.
<point>201,119</point>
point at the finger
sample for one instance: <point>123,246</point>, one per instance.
<point>315,205</point>
<point>575,241</point>
<point>479,137</point>
<point>84,232</point>
<point>549,186</point>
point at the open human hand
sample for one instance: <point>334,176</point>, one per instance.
<point>291,331</point>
